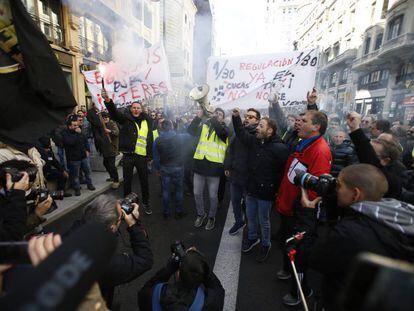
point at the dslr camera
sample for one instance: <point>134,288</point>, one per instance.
<point>16,174</point>
<point>126,203</point>
<point>178,251</point>
<point>42,194</point>
<point>322,185</point>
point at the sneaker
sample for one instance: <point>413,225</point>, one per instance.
<point>293,300</point>
<point>91,187</point>
<point>237,228</point>
<point>264,253</point>
<point>77,192</point>
<point>109,179</point>
<point>249,244</point>
<point>210,223</point>
<point>115,185</point>
<point>147,209</point>
<point>283,275</point>
<point>200,220</point>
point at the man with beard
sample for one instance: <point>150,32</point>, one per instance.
<point>236,169</point>
<point>266,163</point>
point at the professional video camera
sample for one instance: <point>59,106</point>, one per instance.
<point>178,250</point>
<point>323,185</point>
<point>126,203</point>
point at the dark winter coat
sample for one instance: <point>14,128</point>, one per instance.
<point>128,133</point>
<point>76,145</point>
<point>266,162</point>
<point>96,128</point>
<point>13,216</point>
<point>342,156</point>
<point>366,154</point>
<point>363,230</point>
<point>237,159</point>
<point>205,167</point>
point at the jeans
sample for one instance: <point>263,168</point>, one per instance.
<point>109,163</point>
<point>61,155</point>
<point>257,208</point>
<point>131,160</point>
<point>237,193</point>
<point>212,184</point>
<point>74,168</point>
<point>172,175</point>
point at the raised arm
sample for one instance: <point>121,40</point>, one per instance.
<point>241,133</point>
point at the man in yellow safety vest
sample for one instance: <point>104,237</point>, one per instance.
<point>208,162</point>
<point>135,143</point>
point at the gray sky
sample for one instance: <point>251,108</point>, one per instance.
<point>239,26</point>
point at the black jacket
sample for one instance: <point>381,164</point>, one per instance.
<point>237,159</point>
<point>170,149</point>
<point>50,160</point>
<point>128,133</point>
<point>76,145</point>
<point>96,127</point>
<point>214,291</point>
<point>266,162</point>
<point>126,267</point>
<point>366,154</point>
<point>332,255</point>
<point>205,167</point>
<point>342,156</point>
<point>13,216</point>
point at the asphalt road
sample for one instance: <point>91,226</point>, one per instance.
<point>258,288</point>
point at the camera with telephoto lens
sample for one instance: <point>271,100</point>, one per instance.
<point>322,185</point>
<point>42,194</point>
<point>16,174</point>
<point>126,203</point>
<point>178,250</point>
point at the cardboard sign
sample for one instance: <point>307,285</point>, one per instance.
<point>247,81</point>
<point>146,81</point>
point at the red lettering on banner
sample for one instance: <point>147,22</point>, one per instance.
<point>145,88</point>
<point>242,65</point>
<point>123,96</point>
<point>135,92</point>
<point>233,95</point>
<point>157,57</point>
<point>98,78</point>
<point>154,88</point>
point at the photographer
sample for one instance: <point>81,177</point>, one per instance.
<point>371,224</point>
<point>20,209</point>
<point>123,267</point>
<point>194,287</point>
<point>135,143</point>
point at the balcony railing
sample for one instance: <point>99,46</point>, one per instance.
<point>53,32</point>
<point>92,49</point>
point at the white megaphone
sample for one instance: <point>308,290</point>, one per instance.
<point>199,94</point>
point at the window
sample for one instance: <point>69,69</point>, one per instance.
<point>384,74</point>
<point>367,44</point>
<point>47,15</point>
<point>375,76</point>
<point>344,76</point>
<point>334,77</point>
<point>137,9</point>
<point>378,41</point>
<point>94,39</point>
<point>394,27</point>
<point>336,50</point>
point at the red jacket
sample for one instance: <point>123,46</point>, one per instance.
<point>316,159</point>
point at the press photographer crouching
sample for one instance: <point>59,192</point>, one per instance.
<point>369,223</point>
<point>21,208</point>
<point>193,287</point>
<point>123,267</point>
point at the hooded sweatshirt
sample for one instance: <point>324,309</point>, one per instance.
<point>384,228</point>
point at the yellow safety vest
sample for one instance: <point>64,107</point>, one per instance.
<point>155,134</point>
<point>212,148</point>
<point>141,144</point>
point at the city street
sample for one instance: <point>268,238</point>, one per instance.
<point>258,288</point>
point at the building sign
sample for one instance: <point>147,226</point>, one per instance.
<point>247,81</point>
<point>141,83</point>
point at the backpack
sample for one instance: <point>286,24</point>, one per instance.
<point>197,304</point>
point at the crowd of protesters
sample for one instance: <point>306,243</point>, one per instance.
<point>260,154</point>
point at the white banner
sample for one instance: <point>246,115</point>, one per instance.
<point>247,81</point>
<point>147,80</point>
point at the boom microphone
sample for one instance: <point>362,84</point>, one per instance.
<point>62,280</point>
